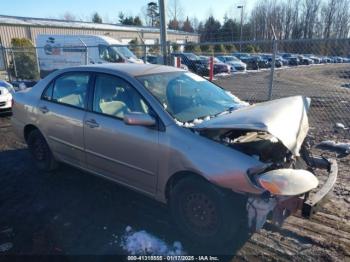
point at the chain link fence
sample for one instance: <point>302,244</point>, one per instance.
<point>255,71</point>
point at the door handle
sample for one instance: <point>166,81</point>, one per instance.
<point>44,109</point>
<point>91,123</point>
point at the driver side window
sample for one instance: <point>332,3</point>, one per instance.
<point>115,97</point>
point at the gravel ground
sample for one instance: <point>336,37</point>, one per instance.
<point>71,212</point>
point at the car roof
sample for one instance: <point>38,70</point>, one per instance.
<point>134,69</point>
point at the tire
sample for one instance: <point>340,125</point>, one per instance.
<point>41,152</point>
<point>205,213</point>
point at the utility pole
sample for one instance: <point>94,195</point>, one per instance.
<point>272,72</point>
<point>240,41</point>
<point>163,33</point>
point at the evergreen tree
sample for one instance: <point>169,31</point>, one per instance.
<point>211,30</point>
<point>24,64</point>
<point>96,18</point>
<point>187,26</point>
<point>153,14</point>
<point>174,24</point>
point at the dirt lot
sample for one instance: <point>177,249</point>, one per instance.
<point>71,212</point>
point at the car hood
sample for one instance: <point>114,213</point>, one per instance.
<point>284,118</point>
<point>219,64</point>
<point>134,60</point>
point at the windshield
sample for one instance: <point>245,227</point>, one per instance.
<point>192,56</point>
<point>124,51</point>
<point>188,97</point>
<point>231,58</point>
<point>114,53</point>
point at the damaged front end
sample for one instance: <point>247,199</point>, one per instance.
<point>289,191</point>
<point>273,133</point>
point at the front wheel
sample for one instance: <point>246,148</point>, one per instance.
<point>205,213</point>
<point>41,152</point>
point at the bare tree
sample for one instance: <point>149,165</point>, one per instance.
<point>195,23</point>
<point>68,16</point>
<point>309,16</point>
<point>175,10</point>
<point>328,12</point>
<point>341,19</point>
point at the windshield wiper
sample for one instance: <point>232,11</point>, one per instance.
<point>228,110</point>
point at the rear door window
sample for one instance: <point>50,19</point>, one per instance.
<point>70,89</point>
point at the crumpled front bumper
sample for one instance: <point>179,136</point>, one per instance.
<point>314,202</point>
<point>281,206</point>
<point>310,204</point>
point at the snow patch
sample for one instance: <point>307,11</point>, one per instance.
<point>341,126</point>
<point>143,243</point>
<point>337,145</point>
<point>223,74</point>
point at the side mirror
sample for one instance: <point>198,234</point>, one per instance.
<point>139,119</point>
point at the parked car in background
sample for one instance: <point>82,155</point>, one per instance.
<point>262,62</point>
<point>303,60</point>
<point>337,59</point>
<point>233,62</point>
<point>220,164</point>
<point>23,84</point>
<point>278,60</point>
<point>284,61</point>
<point>251,62</point>
<point>315,59</point>
<point>326,60</point>
<point>152,59</point>
<point>293,61</point>
<point>239,55</point>
<point>60,51</point>
<point>6,94</point>
<point>219,67</point>
<point>346,60</point>
<point>254,62</point>
<point>192,61</point>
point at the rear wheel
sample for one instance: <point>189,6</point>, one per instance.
<point>40,151</point>
<point>205,213</point>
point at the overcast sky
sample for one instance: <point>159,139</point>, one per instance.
<point>109,9</point>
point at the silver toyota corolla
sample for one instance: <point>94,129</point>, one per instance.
<point>220,164</point>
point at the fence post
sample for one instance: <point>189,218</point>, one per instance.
<point>14,63</point>
<point>86,52</point>
<point>86,55</point>
<point>211,68</point>
<point>272,73</point>
<point>168,57</point>
<point>37,61</point>
<point>144,53</point>
<point>6,65</point>
<point>177,61</point>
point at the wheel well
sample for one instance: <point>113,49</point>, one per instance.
<point>28,129</point>
<point>176,178</point>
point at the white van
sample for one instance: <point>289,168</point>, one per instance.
<point>60,51</point>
